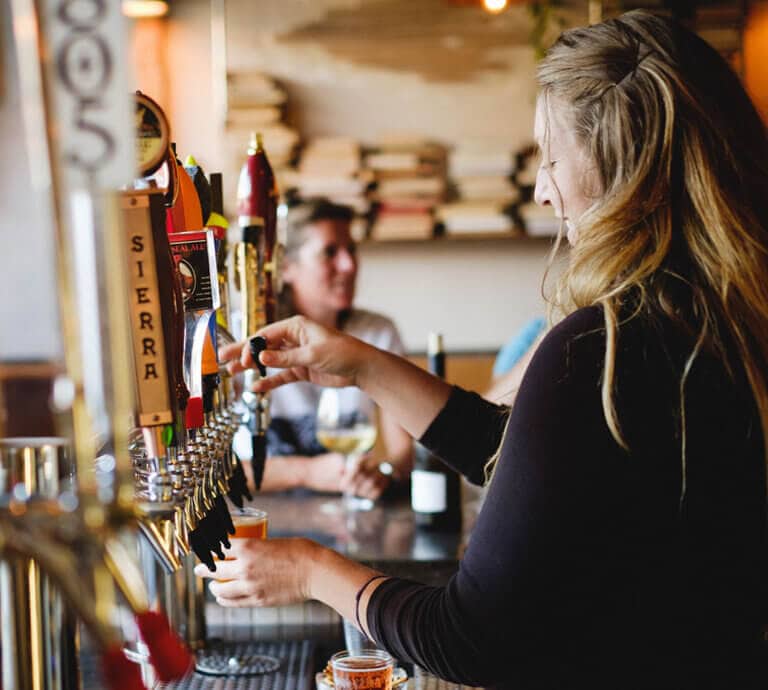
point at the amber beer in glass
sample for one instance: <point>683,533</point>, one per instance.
<point>371,669</point>
<point>250,523</point>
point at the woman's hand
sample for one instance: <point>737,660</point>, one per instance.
<point>277,572</point>
<point>324,472</point>
<point>272,572</point>
<point>305,351</point>
<point>365,479</point>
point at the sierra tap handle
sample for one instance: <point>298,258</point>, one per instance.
<point>257,345</point>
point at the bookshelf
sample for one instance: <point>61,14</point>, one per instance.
<point>463,238</point>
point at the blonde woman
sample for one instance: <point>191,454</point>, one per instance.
<point>622,543</point>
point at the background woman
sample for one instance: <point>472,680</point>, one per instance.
<point>320,275</point>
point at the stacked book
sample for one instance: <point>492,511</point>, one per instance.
<point>256,103</point>
<point>330,167</point>
<point>410,182</point>
<point>475,217</point>
<point>481,176</point>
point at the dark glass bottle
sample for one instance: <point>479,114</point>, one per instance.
<point>435,487</point>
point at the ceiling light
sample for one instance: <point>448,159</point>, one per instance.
<point>495,6</point>
<point>142,9</point>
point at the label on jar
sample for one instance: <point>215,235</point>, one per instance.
<point>429,491</point>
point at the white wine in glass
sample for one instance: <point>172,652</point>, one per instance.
<point>346,423</point>
<point>355,440</point>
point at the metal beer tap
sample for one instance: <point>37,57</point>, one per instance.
<point>256,270</point>
<point>74,540</point>
<point>229,419</point>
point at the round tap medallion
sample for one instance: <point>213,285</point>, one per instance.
<point>153,135</point>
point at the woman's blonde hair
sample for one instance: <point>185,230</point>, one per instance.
<point>681,227</point>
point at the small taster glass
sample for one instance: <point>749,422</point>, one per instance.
<point>250,523</point>
<point>371,669</point>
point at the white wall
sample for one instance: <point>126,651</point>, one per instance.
<point>476,293</point>
<point>29,327</point>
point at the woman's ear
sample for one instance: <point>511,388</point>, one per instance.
<point>591,184</point>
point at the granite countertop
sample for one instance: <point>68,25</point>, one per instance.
<point>384,537</point>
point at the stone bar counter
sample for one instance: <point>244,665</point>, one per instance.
<point>384,537</point>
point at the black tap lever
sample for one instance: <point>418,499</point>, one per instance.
<point>238,484</point>
<point>258,344</point>
<point>198,543</point>
<point>259,458</point>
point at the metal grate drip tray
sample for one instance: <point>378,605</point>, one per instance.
<point>295,672</point>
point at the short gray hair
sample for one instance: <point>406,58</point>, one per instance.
<point>307,213</point>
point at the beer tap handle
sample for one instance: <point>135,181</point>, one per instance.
<point>218,529</point>
<point>194,416</point>
<point>257,345</point>
<point>205,533</point>
<point>182,392</point>
<point>208,530</point>
<point>259,458</point>
<point>167,653</point>
<point>238,485</point>
<point>243,481</point>
<point>118,672</point>
<point>226,518</point>
<point>218,520</point>
<point>199,545</point>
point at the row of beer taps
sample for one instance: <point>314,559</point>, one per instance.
<point>185,471</point>
<point>142,280</point>
<point>186,411</point>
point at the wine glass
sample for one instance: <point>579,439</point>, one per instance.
<point>346,423</point>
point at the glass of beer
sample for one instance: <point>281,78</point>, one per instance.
<point>250,523</point>
<point>371,669</point>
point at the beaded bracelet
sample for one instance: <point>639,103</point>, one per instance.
<point>360,594</point>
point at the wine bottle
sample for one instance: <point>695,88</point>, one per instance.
<point>435,487</point>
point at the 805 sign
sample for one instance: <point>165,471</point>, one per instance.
<point>84,64</point>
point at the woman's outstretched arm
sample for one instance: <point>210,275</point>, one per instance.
<point>306,351</point>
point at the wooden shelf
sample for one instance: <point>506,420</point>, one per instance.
<point>464,237</point>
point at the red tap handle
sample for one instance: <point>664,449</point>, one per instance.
<point>195,418</point>
<point>167,653</point>
<point>118,672</point>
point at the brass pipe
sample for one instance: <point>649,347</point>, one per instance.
<point>59,563</point>
<point>156,537</point>
<point>126,574</point>
<point>38,639</point>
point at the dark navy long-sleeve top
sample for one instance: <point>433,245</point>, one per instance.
<point>593,566</point>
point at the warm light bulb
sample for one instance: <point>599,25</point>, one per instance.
<point>142,9</point>
<point>495,5</point>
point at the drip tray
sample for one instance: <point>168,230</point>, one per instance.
<point>294,660</point>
